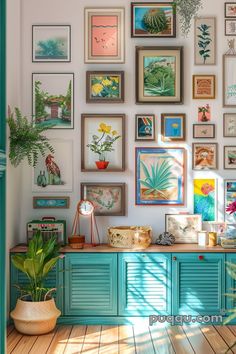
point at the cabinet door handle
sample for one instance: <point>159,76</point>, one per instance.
<point>200,258</point>
<point>174,258</point>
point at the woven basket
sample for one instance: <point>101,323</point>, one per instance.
<point>133,237</point>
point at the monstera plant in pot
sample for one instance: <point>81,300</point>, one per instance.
<point>35,312</point>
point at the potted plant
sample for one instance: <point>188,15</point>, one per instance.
<point>35,312</point>
<point>103,144</point>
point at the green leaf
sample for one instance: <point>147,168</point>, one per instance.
<point>18,262</point>
<point>49,265</point>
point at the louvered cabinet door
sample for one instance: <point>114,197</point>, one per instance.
<point>198,282</point>
<point>144,284</point>
<point>91,284</point>
<point>230,284</point>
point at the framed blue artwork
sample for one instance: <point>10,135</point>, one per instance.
<point>145,127</point>
<point>51,202</point>
<point>173,127</point>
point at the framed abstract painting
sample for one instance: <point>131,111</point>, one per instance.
<point>104,35</point>
<point>229,80</point>
<point>203,131</point>
<point>203,87</point>
<point>229,125</point>
<point>230,197</point>
<point>184,227</point>
<point>230,157</point>
<point>145,127</point>
<point>173,127</point>
<point>160,176</point>
<point>205,156</point>
<point>51,202</point>
<point>205,198</point>
<point>205,41</point>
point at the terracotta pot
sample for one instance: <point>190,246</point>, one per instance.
<point>102,165</point>
<point>35,318</point>
<point>76,241</point>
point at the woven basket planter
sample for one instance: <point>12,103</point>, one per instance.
<point>132,237</point>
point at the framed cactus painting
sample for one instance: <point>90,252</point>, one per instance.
<point>205,198</point>
<point>153,19</point>
<point>160,176</point>
<point>205,41</point>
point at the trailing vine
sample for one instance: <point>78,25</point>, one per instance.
<point>187,10</point>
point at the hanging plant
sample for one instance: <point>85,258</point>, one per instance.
<point>26,140</point>
<point>187,10</point>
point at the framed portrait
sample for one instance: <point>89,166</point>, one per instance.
<point>104,35</point>
<point>54,172</point>
<point>204,113</point>
<point>105,86</point>
<point>203,131</point>
<point>229,125</point>
<point>184,227</point>
<point>107,198</point>
<point>203,87</point>
<point>229,80</point>
<point>230,27</point>
<point>205,40</point>
<point>230,9</point>
<point>205,198</point>
<point>159,75</point>
<point>53,100</point>
<point>230,197</point>
<point>230,157</point>
<point>51,202</point>
<point>153,19</point>
<point>51,43</point>
<point>103,142</point>
<point>173,127</point>
<point>205,156</point>
<point>160,176</point>
<point>145,127</point>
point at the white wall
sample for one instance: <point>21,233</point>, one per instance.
<point>71,12</point>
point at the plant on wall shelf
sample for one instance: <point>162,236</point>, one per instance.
<point>187,10</point>
<point>204,41</point>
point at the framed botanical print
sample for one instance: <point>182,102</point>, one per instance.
<point>160,176</point>
<point>108,198</point>
<point>203,131</point>
<point>204,113</point>
<point>51,43</point>
<point>53,100</point>
<point>159,75</point>
<point>229,80</point>
<point>103,142</point>
<point>153,19</point>
<point>230,27</point>
<point>145,127</point>
<point>51,202</point>
<point>230,9</point>
<point>230,157</point>
<point>105,86</point>
<point>203,87</point>
<point>230,197</point>
<point>204,156</point>
<point>205,40</point>
<point>104,35</point>
<point>205,198</point>
<point>229,125</point>
<point>184,227</point>
<point>173,127</point>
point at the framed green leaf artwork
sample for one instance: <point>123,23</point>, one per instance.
<point>205,198</point>
<point>205,41</point>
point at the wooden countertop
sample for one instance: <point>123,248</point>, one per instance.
<point>104,248</point>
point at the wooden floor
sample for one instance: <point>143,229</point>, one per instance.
<point>125,340</point>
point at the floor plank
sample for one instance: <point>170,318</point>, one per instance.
<point>215,339</point>
<point>12,340</point>
<point>197,340</point>
<point>179,340</point>
<point>232,328</point>
<point>76,340</point>
<point>109,340</point>
<point>60,340</point>
<point>126,340</point>
<point>161,340</point>
<point>9,329</point>
<point>143,340</point>
<point>43,342</point>
<point>92,340</point>
<point>227,335</point>
<point>25,344</point>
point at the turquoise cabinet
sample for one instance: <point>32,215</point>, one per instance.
<point>198,282</point>
<point>144,284</point>
<point>230,283</point>
<point>91,284</point>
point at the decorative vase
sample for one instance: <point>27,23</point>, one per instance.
<point>102,165</point>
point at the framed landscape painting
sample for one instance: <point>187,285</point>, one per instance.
<point>104,35</point>
<point>229,80</point>
<point>205,41</point>
<point>51,202</point>
<point>203,87</point>
<point>159,75</point>
<point>205,198</point>
<point>184,227</point>
<point>153,19</point>
<point>53,100</point>
<point>204,156</point>
<point>203,131</point>
<point>160,176</point>
<point>229,127</point>
<point>230,9</point>
<point>230,157</point>
<point>145,127</point>
<point>173,127</point>
<point>107,198</point>
<point>51,43</point>
<point>230,197</point>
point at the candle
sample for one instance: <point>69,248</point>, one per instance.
<point>212,239</point>
<point>202,238</point>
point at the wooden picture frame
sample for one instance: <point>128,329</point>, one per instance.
<point>51,202</point>
<point>205,156</point>
<point>229,157</point>
<point>173,127</point>
<point>204,45</point>
<point>145,127</point>
<point>229,91</point>
<point>203,131</point>
<point>229,125</point>
<point>230,27</point>
<point>184,227</point>
<point>204,87</point>
<point>229,197</point>
<point>230,13</point>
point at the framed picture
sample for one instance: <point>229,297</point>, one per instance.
<point>54,172</point>
<point>205,156</point>
<point>173,127</point>
<point>230,197</point>
<point>153,19</point>
<point>229,80</point>
<point>51,202</point>
<point>204,113</point>
<point>230,9</point>
<point>203,87</point>
<point>53,100</point>
<point>105,86</point>
<point>230,157</point>
<point>51,43</point>
<point>205,40</point>
<point>159,75</point>
<point>230,27</point>
<point>160,176</point>
<point>103,142</point>
<point>104,35</point>
<point>205,198</point>
<point>145,127</point>
<point>229,127</point>
<point>107,198</point>
<point>184,227</point>
<point>203,131</point>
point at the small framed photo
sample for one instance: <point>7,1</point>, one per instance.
<point>230,157</point>
<point>105,86</point>
<point>108,198</point>
<point>173,127</point>
<point>204,113</point>
<point>51,202</point>
<point>153,19</point>
<point>205,156</point>
<point>205,40</point>
<point>51,43</point>
<point>203,87</point>
<point>184,227</point>
<point>230,27</point>
<point>230,9</point>
<point>145,127</point>
<point>230,197</point>
<point>203,131</point>
<point>104,35</point>
<point>229,123</point>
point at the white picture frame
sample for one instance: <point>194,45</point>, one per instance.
<point>184,227</point>
<point>205,45</point>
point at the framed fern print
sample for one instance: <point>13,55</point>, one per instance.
<point>205,41</point>
<point>160,176</point>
